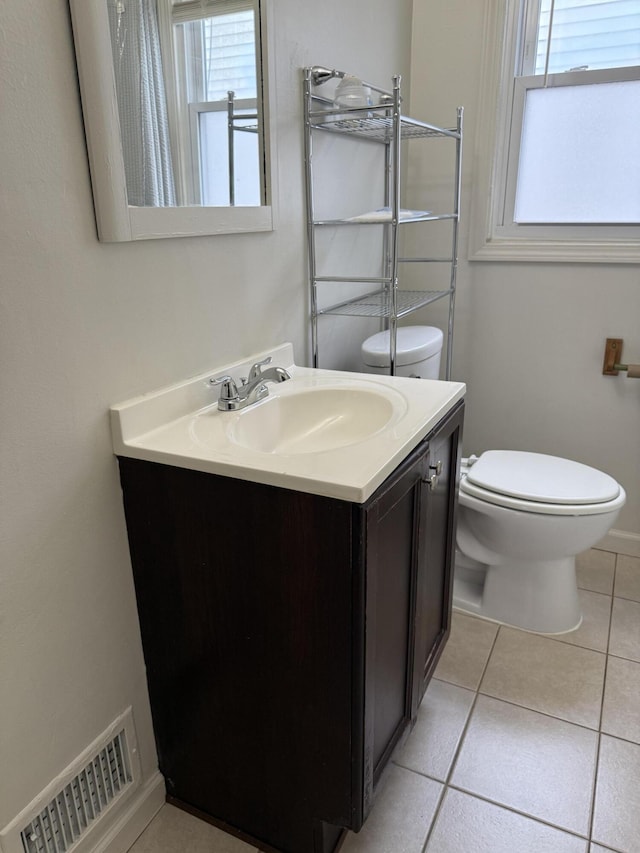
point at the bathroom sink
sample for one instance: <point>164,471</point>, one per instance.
<point>326,432</point>
<point>311,420</point>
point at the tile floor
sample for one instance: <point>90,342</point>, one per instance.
<point>524,743</point>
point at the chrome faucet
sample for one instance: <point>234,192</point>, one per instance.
<point>252,389</point>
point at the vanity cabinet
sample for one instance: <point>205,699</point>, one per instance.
<point>289,637</point>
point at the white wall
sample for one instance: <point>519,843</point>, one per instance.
<point>529,338</point>
<point>85,325</point>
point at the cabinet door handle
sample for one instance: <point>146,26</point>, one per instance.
<point>437,467</point>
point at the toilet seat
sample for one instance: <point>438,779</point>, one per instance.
<point>535,482</point>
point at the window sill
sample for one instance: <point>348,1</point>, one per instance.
<point>557,251</point>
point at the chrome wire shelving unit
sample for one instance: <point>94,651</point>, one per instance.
<point>381,122</point>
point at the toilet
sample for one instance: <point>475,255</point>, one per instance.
<point>522,518</point>
<point>418,350</point>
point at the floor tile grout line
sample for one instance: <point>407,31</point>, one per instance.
<point>609,849</point>
<point>594,791</point>
<point>627,598</point>
<point>620,738</point>
<point>435,817</point>
<point>622,657</point>
<point>547,714</point>
<point>592,810</point>
<point>461,739</point>
<point>550,716</point>
<point>498,804</point>
<point>618,654</point>
<point>558,637</point>
<point>513,810</point>
<point>599,570</point>
<point>616,657</point>
<point>606,668</point>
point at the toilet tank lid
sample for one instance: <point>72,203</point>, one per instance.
<point>413,343</point>
<point>542,478</point>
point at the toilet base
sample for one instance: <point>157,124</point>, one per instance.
<point>539,596</point>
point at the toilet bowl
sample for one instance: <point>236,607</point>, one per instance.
<point>522,518</point>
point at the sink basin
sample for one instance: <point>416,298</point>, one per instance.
<point>311,421</point>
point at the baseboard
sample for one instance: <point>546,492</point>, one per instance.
<point>621,542</point>
<point>139,813</point>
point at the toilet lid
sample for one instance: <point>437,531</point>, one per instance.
<point>541,478</point>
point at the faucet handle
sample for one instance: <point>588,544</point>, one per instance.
<point>229,390</point>
<point>255,371</point>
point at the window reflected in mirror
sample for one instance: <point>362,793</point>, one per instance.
<point>188,84</point>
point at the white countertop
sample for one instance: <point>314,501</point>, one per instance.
<point>180,425</point>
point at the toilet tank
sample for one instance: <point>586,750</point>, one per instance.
<point>418,350</point>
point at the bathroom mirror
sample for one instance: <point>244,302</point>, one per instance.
<point>175,104</point>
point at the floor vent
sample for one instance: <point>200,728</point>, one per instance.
<point>62,817</point>
<point>67,816</point>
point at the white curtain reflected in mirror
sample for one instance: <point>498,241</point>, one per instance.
<point>142,104</point>
<point>188,84</point>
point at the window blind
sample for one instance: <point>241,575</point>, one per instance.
<point>588,34</point>
<point>195,10</point>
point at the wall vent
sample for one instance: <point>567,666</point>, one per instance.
<point>68,815</point>
<point>62,817</point>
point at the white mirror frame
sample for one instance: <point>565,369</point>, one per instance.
<point>118,221</point>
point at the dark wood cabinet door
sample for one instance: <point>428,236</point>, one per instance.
<point>392,520</point>
<point>436,549</point>
<point>245,600</point>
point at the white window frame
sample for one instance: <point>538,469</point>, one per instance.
<point>494,236</point>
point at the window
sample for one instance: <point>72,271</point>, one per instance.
<point>212,46</point>
<point>566,171</point>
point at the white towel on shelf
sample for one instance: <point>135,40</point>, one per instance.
<point>383,214</point>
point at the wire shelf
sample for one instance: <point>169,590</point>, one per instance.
<point>378,128</point>
<point>247,128</point>
<point>362,220</point>
<point>378,304</point>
